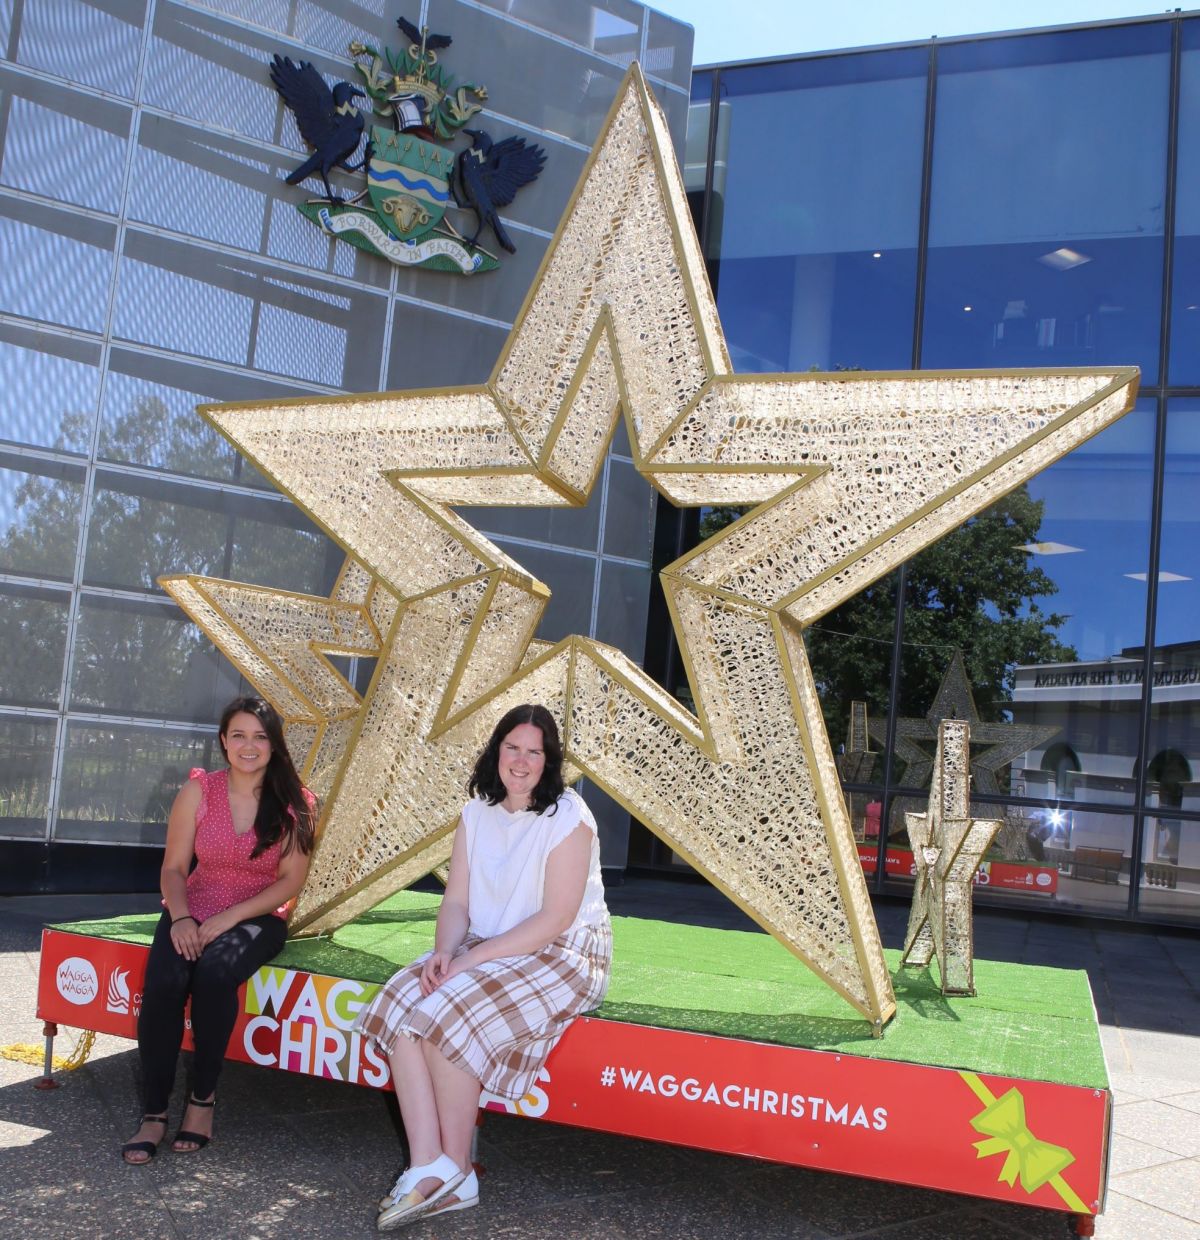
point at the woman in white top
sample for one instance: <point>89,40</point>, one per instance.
<point>523,945</point>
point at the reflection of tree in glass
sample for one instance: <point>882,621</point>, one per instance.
<point>32,640</point>
<point>974,590</point>
<point>25,750</point>
<point>133,657</point>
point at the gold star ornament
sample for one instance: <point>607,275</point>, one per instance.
<point>948,845</point>
<point>852,473</point>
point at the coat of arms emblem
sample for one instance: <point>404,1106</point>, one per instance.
<point>413,177</point>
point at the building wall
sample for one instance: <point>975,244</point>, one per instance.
<point>154,260</point>
<point>1008,201</point>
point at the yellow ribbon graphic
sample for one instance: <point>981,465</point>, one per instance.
<point>1002,1121</point>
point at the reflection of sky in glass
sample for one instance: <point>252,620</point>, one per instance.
<point>48,151</point>
<point>816,216</point>
<point>294,344</point>
<point>208,76</point>
<point>214,202</point>
<point>1098,499</point>
<point>46,400</point>
<point>1179,601</point>
<point>88,43</point>
<point>1185,319</point>
<point>1046,207</point>
<point>174,311</point>
<point>51,275</point>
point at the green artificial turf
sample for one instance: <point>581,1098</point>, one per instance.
<point>1025,1021</point>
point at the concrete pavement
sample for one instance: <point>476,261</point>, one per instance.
<point>297,1157</point>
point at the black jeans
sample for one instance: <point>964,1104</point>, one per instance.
<point>212,981</point>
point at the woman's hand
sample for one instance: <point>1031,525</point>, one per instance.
<point>216,925</point>
<point>435,971</point>
<point>185,937</point>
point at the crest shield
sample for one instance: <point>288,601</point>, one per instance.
<point>408,179</point>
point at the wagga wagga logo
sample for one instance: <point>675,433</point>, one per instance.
<point>304,1023</point>
<point>77,981</point>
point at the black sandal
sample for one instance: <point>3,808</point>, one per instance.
<point>196,1139</point>
<point>149,1148</point>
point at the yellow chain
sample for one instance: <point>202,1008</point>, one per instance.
<point>34,1055</point>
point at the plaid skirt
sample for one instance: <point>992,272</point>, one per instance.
<point>500,1021</point>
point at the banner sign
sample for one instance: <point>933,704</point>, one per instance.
<point>1013,1140</point>
<point>1007,875</point>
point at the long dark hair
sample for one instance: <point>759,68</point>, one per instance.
<point>485,779</point>
<point>283,812</point>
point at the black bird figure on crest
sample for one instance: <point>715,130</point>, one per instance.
<point>488,175</point>
<point>328,121</point>
<point>421,38</point>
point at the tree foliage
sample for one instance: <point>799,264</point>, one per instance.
<point>973,590</point>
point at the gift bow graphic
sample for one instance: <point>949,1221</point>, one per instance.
<point>1002,1121</point>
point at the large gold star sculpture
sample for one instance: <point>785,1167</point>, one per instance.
<point>948,845</point>
<point>852,473</point>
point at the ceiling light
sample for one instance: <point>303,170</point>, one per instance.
<point>1064,259</point>
<point>967,309</point>
<point>1047,548</point>
<point>879,254</point>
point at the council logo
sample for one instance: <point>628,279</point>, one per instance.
<point>118,992</point>
<point>77,981</point>
<point>414,179</point>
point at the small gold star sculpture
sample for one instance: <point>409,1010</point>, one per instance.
<point>853,473</point>
<point>948,845</point>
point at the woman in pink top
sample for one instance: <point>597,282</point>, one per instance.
<point>250,830</point>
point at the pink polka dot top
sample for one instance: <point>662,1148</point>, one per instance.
<point>225,873</point>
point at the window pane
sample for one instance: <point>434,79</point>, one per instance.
<point>1173,756</point>
<point>569,94</point>
<point>48,398</point>
<point>142,528</point>
<point>64,145</point>
<point>26,756</point>
<point>186,299</point>
<point>90,43</point>
<point>39,518</point>
<point>850,653</point>
<point>1043,595</point>
<point>621,614</point>
<point>1047,201</point>
<point>146,659</point>
<point>204,68</point>
<point>33,636</point>
<point>149,415</point>
<point>118,782</point>
<point>1171,865</point>
<point>57,265</point>
<point>816,202</point>
<point>1185,316</point>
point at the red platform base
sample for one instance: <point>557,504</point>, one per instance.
<point>908,1123</point>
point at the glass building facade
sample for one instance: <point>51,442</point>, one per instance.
<point>154,260</point>
<point>1029,200</point>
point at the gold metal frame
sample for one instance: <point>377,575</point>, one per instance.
<point>852,472</point>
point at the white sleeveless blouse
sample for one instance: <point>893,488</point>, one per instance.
<point>506,856</point>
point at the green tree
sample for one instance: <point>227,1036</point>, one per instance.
<point>974,590</point>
